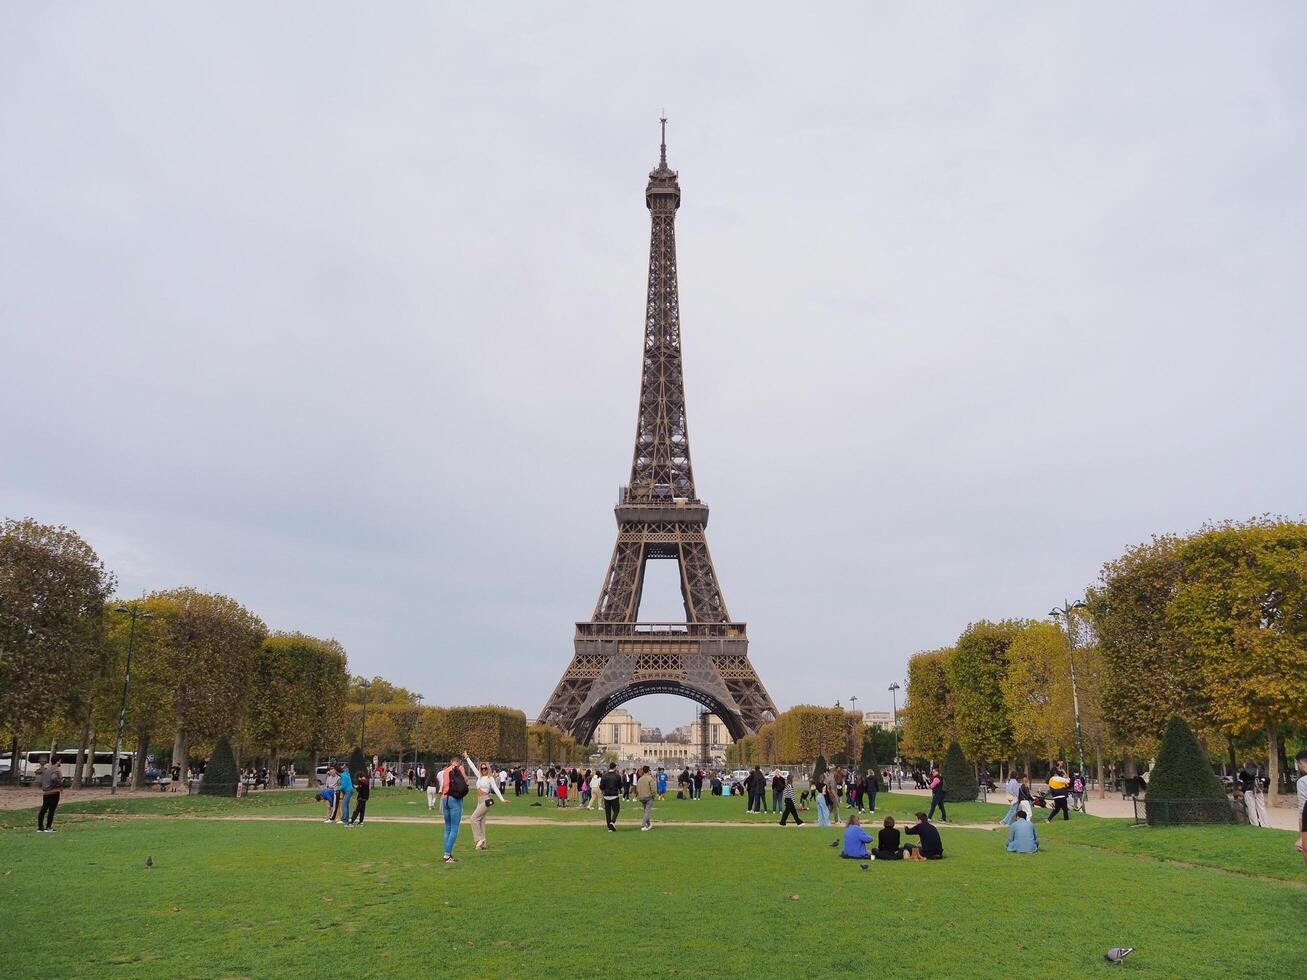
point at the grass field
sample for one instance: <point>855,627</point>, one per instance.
<point>291,897</point>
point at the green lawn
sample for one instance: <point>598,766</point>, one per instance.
<point>290,898</point>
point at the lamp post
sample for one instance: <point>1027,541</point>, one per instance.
<point>416,724</point>
<point>135,613</point>
<point>363,728</point>
<point>894,698</point>
<point>1064,612</point>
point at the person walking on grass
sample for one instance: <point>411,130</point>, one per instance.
<point>1253,785</point>
<point>662,783</point>
<point>645,791</point>
<point>823,804</point>
<point>787,799</point>
<point>610,788</point>
<point>1013,798</point>
<point>1058,787</point>
<point>362,789</point>
<point>52,781</point>
<point>486,784</point>
<point>452,783</point>
<point>873,787</point>
<point>937,796</point>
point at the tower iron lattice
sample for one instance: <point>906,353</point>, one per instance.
<point>660,516</point>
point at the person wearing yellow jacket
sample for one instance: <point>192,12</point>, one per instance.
<point>1058,787</point>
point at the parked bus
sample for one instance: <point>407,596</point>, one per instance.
<point>31,763</point>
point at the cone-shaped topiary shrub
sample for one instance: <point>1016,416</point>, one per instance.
<point>868,758</point>
<point>220,775</point>
<point>1182,788</point>
<point>819,767</point>
<point>358,763</point>
<point>959,778</point>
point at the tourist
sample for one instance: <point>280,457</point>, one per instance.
<point>823,802</point>
<point>937,795</point>
<point>696,784</point>
<point>1013,793</point>
<point>1058,787</point>
<point>363,789</point>
<point>777,790</point>
<point>645,791</point>
<point>787,798</point>
<point>452,784</point>
<point>855,840</point>
<point>486,783</point>
<point>889,845</point>
<point>931,847</point>
<point>1022,839</point>
<point>1025,802</point>
<point>833,794</point>
<point>345,793</point>
<point>540,781</point>
<point>560,793</point>
<point>1301,759</point>
<point>1253,785</point>
<point>1078,792</point>
<point>595,779</point>
<point>874,787</point>
<point>52,781</point>
<point>662,783</point>
<point>610,788</point>
<point>329,783</point>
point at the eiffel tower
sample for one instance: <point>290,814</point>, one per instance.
<point>659,516</point>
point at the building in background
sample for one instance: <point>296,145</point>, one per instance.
<point>703,740</point>
<point>882,719</point>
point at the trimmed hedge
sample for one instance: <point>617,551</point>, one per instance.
<point>220,775</point>
<point>489,732</point>
<point>1182,788</point>
<point>959,777</point>
<point>358,762</point>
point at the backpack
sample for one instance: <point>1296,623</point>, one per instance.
<point>455,783</point>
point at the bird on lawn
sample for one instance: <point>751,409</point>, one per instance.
<point>149,861</point>
<point>1117,954</point>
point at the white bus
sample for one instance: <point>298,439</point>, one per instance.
<point>30,763</point>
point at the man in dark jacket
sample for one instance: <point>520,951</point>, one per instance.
<point>931,847</point>
<point>777,790</point>
<point>610,788</point>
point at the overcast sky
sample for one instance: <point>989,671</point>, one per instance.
<point>338,311</point>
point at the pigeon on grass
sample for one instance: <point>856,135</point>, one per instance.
<point>1117,954</point>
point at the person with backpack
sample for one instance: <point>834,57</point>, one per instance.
<point>1078,792</point>
<point>937,796</point>
<point>453,787</point>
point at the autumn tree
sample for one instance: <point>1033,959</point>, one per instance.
<point>1241,607</point>
<point>282,700</point>
<point>53,588</point>
<point>975,675</point>
<point>150,698</point>
<point>1037,691</point>
<point>326,688</point>
<point>1147,672</point>
<point>928,711</point>
<point>214,644</point>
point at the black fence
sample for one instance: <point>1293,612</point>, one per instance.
<point>1180,813</point>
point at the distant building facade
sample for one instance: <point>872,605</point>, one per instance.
<point>623,735</point>
<point>883,719</point>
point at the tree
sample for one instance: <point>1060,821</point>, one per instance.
<point>928,712</point>
<point>806,731</point>
<point>220,775</point>
<point>1037,690</point>
<point>149,702</point>
<point>959,777</point>
<point>214,645</point>
<point>1147,671</point>
<point>358,762</point>
<point>53,588</point>
<point>1182,787</point>
<point>975,675</point>
<point>877,744</point>
<point>379,691</point>
<point>1241,607</point>
<point>326,675</point>
<point>282,698</point>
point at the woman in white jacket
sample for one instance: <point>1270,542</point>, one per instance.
<point>487,783</point>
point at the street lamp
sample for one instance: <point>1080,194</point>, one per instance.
<point>135,613</point>
<point>416,724</point>
<point>894,696</point>
<point>1064,612</point>
<point>363,729</point>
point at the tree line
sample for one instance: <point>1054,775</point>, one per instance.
<point>203,667</point>
<point>1211,626</point>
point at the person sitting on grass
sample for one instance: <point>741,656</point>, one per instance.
<point>931,847</point>
<point>888,842</point>
<point>1022,838</point>
<point>855,840</point>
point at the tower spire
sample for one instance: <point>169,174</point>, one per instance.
<point>662,148</point>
